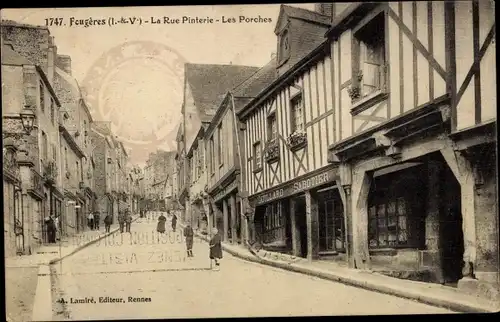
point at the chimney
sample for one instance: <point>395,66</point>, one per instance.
<point>324,9</point>
<point>50,60</point>
<point>64,62</point>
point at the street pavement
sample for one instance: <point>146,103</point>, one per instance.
<point>144,275</point>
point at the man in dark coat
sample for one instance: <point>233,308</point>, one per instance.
<point>174,222</point>
<point>107,222</point>
<point>128,220</point>
<point>215,247</point>
<point>121,221</point>
<point>97,220</point>
<point>51,229</point>
<point>189,234</point>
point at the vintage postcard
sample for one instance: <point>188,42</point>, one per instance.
<point>306,159</point>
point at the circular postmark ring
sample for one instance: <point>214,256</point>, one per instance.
<point>96,85</point>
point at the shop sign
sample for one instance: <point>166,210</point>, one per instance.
<point>310,181</point>
<point>224,191</point>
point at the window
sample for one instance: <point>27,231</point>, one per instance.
<point>42,96</point>
<point>212,155</point>
<point>85,133</point>
<point>201,156</point>
<point>331,222</point>
<point>388,224</point>
<point>77,170</point>
<point>52,110</point>
<point>274,223</point>
<point>257,153</point>
<point>54,153</point>
<point>66,158</point>
<point>272,129</point>
<point>45,146</point>
<point>297,113</point>
<point>221,142</point>
<point>284,47</point>
<point>369,58</point>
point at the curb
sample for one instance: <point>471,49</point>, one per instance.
<point>385,289</point>
<point>79,248</point>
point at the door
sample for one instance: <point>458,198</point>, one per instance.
<point>451,234</point>
<point>300,213</point>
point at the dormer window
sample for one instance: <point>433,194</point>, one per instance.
<point>284,46</point>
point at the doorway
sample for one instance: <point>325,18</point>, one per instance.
<point>300,219</point>
<point>451,243</point>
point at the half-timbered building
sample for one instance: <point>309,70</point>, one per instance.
<point>204,88</point>
<point>225,166</point>
<point>289,127</point>
<point>414,105</point>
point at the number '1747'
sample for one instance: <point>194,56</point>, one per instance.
<point>54,21</point>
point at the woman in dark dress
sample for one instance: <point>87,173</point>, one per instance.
<point>161,224</point>
<point>215,247</point>
<point>174,222</point>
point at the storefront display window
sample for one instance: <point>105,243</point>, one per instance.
<point>274,223</point>
<point>331,222</point>
<point>388,224</point>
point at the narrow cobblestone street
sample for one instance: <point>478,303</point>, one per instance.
<point>128,267</point>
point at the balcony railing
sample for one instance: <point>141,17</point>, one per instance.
<point>36,183</point>
<point>272,153</point>
<point>50,172</point>
<point>297,140</point>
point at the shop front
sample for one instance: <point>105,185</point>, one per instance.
<point>227,206</point>
<point>303,217</point>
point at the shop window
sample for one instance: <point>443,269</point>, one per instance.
<point>331,222</point>
<point>274,223</point>
<point>388,224</point>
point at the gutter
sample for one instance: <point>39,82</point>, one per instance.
<point>71,142</point>
<point>348,17</point>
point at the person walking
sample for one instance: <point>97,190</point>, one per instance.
<point>128,220</point>
<point>107,222</point>
<point>90,220</point>
<point>189,234</point>
<point>160,227</point>
<point>215,248</point>
<point>121,221</point>
<point>174,222</point>
<point>51,229</point>
<point>97,219</point>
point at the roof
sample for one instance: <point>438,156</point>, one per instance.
<point>10,57</point>
<point>256,83</point>
<point>209,84</point>
<point>304,14</point>
<point>12,23</point>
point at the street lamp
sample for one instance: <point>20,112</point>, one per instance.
<point>28,120</point>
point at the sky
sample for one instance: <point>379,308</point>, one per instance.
<point>132,74</point>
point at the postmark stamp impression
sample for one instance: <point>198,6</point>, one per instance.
<point>143,117</point>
